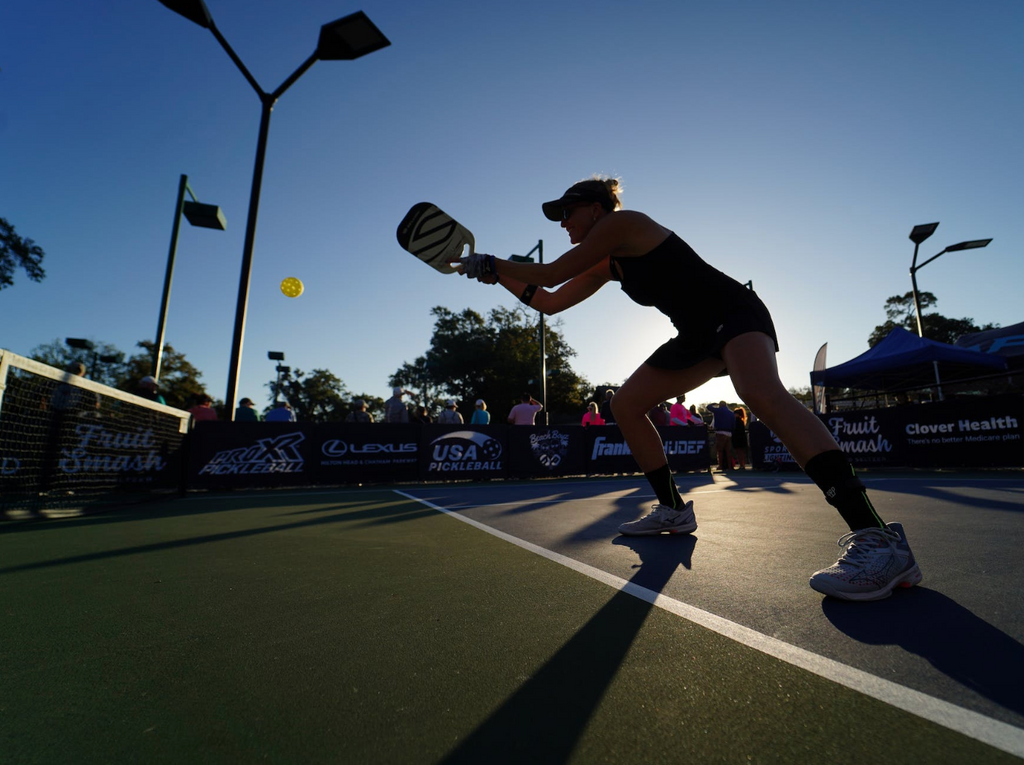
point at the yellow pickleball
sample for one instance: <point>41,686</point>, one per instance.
<point>292,287</point>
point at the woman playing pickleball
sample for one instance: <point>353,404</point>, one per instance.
<point>724,328</point>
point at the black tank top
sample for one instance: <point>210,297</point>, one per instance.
<point>674,279</point>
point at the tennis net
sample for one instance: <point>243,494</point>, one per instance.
<point>68,443</point>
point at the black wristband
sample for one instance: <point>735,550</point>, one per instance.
<point>528,293</point>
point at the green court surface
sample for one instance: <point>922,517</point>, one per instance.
<point>361,626</point>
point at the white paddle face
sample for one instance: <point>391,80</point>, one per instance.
<point>434,237</point>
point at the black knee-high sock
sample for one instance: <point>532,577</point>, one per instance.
<point>663,485</point>
<point>834,475</point>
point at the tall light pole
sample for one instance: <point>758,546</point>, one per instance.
<point>917,235</point>
<point>278,356</point>
<point>203,216</point>
<point>346,39</point>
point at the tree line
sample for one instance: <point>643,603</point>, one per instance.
<point>495,358</point>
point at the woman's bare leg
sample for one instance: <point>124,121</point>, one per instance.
<point>645,388</point>
<point>755,375</point>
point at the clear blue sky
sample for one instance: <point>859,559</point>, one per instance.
<point>794,144</point>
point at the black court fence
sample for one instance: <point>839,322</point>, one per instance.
<point>68,443</point>
<point>264,454</point>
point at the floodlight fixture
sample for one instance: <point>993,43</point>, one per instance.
<point>349,38</point>
<point>205,216</point>
<point>80,343</point>
<point>971,245</point>
<point>275,355</point>
<point>193,10</point>
<point>919,233</point>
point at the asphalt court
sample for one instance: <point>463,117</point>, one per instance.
<point>957,638</point>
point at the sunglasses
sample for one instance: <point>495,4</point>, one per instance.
<point>568,211</point>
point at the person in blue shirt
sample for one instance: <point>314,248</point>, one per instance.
<point>480,415</point>
<point>280,413</point>
<point>724,424</point>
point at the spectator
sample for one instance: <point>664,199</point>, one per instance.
<point>450,416</point>
<point>282,412</point>
<point>394,407</point>
<point>592,416</point>
<point>67,403</point>
<point>724,422</point>
<point>606,407</point>
<point>68,398</point>
<point>680,415</point>
<point>419,415</point>
<point>359,413</point>
<point>524,412</point>
<point>203,410</point>
<point>659,415</point>
<point>697,418</point>
<point>739,438</point>
<point>147,389</point>
<point>246,411</point>
<point>480,415</point>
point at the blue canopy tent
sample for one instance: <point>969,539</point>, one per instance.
<point>903,361</point>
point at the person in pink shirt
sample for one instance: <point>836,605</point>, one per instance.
<point>680,415</point>
<point>592,416</point>
<point>203,410</point>
<point>523,413</point>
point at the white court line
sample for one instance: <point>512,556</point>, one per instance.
<point>1000,735</point>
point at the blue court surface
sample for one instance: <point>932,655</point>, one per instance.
<point>509,622</point>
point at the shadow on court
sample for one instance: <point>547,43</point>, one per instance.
<point>952,639</point>
<point>360,512</point>
<point>921,490</point>
<point>153,507</point>
<point>545,718</point>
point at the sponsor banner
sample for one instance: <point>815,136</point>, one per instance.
<point>608,452</point>
<point>870,438</point>
<point>250,454</point>
<point>958,433</point>
<point>766,451</point>
<point>86,454</point>
<point>354,453</point>
<point>686,447</point>
<point>470,452</point>
<point>537,451</point>
<point>961,432</point>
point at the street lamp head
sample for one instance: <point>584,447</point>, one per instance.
<point>971,245</point>
<point>275,355</point>
<point>193,10</point>
<point>919,233</point>
<point>348,38</point>
<point>205,216</point>
<point>77,342</point>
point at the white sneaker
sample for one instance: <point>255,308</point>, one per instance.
<point>662,519</point>
<point>874,562</point>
